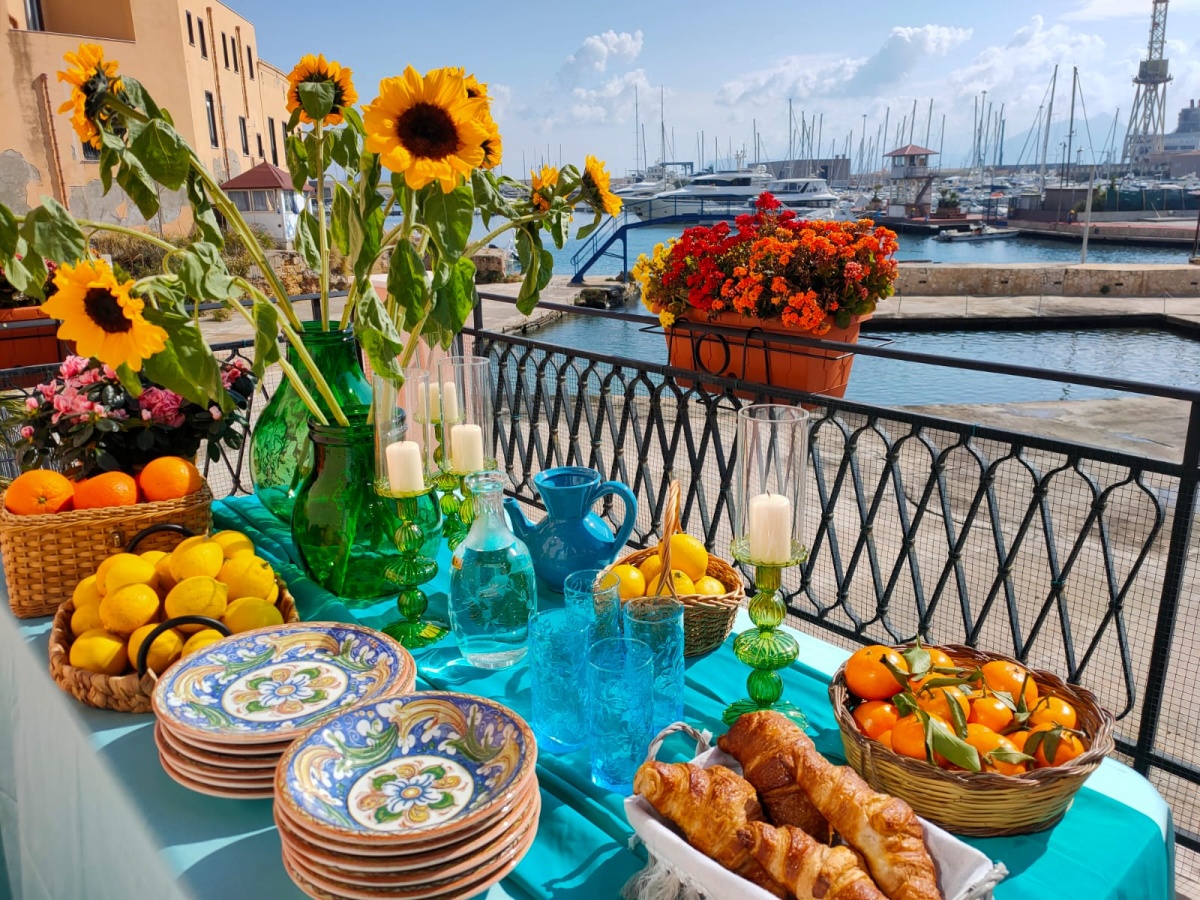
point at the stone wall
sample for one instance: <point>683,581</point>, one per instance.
<point>1032,279</point>
<point>295,274</point>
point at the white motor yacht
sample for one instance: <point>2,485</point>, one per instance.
<point>721,193</point>
<point>811,198</point>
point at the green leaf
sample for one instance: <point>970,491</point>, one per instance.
<point>317,98</point>
<point>366,221</point>
<point>454,301</point>
<point>377,335</point>
<point>899,674</point>
<point>383,814</point>
<point>380,780</point>
<point>163,153</point>
<point>9,232</point>
<point>187,365</point>
<point>944,741</point>
<point>203,213</point>
<point>136,182</point>
<point>446,801</point>
<point>50,231</point>
<point>204,275</point>
<point>130,381</point>
<point>918,660</point>
<point>266,336</point>
<point>297,160</point>
<point>588,228</point>
<point>488,198</point>
<point>339,218</point>
<point>449,218</point>
<point>406,282</point>
<point>1009,756</point>
<point>435,771</point>
<point>905,703</point>
<point>293,120</point>
<point>307,231</point>
<point>138,97</point>
<point>957,717</point>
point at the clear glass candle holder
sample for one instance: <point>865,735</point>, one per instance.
<point>461,408</point>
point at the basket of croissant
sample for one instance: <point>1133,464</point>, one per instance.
<point>973,741</point>
<point>766,815</point>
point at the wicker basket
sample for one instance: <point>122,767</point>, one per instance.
<point>46,556</point>
<point>121,693</point>
<point>707,620</point>
<point>982,804</point>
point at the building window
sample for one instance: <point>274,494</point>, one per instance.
<point>90,153</point>
<point>203,39</point>
<point>241,199</point>
<point>234,47</point>
<point>191,33</point>
<point>33,15</point>
<point>274,146</point>
<point>262,201</point>
<point>261,155</point>
<point>245,136</point>
<point>225,48</point>
<point>211,109</point>
<point>250,61</point>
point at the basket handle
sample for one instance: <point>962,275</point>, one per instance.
<point>157,529</point>
<point>702,739</point>
<point>144,649</point>
<point>666,584</point>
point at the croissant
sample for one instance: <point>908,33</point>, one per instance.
<point>806,867</point>
<point>884,829</point>
<point>711,806</point>
<point>758,741</point>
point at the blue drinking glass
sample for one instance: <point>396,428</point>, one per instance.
<point>558,645</point>
<point>620,701</point>
<point>593,593</point>
<point>658,623</point>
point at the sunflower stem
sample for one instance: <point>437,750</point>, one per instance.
<point>322,234</point>
<point>414,337</point>
<point>478,245</point>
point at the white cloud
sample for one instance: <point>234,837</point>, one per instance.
<point>596,52</point>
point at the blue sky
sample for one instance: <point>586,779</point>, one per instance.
<point>564,74</point>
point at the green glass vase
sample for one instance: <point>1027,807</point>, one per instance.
<point>280,456</point>
<point>344,531</point>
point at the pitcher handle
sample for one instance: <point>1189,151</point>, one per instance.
<point>626,528</point>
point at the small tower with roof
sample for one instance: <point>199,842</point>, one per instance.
<point>909,178</point>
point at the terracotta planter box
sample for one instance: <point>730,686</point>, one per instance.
<point>752,356</point>
<point>27,345</point>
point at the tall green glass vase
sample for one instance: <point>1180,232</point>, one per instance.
<point>345,531</point>
<point>280,456</point>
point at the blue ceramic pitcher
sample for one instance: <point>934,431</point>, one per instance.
<point>571,537</point>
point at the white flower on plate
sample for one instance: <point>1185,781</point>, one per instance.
<point>405,793</point>
<point>292,688</point>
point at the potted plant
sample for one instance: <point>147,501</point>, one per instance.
<point>21,344</point>
<point>770,273</point>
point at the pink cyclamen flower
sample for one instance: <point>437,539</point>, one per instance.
<point>215,412</point>
<point>31,403</point>
<point>27,431</point>
<point>163,406</point>
<point>73,366</point>
<point>232,372</point>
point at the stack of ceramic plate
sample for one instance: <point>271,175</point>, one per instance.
<point>423,797</point>
<point>227,712</point>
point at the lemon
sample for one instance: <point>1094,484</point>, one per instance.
<point>131,570</point>
<point>99,651</point>
<point>86,618</point>
<point>127,609</point>
<point>199,595</point>
<point>189,560</point>
<point>163,568</point>
<point>247,576</point>
<point>153,556</point>
<point>166,649</point>
<point>650,567</point>
<point>689,556</point>
<point>683,584</point>
<point>103,570</point>
<point>233,542</point>
<point>251,612</point>
<point>202,639</point>
<point>273,594</point>
<point>86,593</point>
<point>709,586</point>
<point>633,582</point>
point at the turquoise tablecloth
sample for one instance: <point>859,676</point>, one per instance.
<point>1114,843</point>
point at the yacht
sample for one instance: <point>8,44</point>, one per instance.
<point>811,198</point>
<point>715,194</point>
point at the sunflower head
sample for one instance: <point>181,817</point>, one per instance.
<point>100,315</point>
<point>493,145</point>
<point>315,69</point>
<point>91,77</point>
<point>596,190</point>
<point>427,128</point>
<point>539,182</point>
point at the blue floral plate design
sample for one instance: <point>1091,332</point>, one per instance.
<point>406,767</point>
<point>273,684</point>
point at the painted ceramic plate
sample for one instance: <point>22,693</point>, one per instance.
<point>272,684</point>
<point>226,761</point>
<point>391,771</point>
<point>217,774</point>
<point>200,787</point>
<point>260,754</point>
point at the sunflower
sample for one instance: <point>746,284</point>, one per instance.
<point>101,317</point>
<point>547,178</point>
<point>427,129</point>
<point>90,77</point>
<point>596,186</point>
<point>315,69</point>
<point>475,88</point>
<point>493,146</point>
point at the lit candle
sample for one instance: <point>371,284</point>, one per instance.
<point>466,449</point>
<point>770,529</point>
<point>406,474</point>
<point>449,402</point>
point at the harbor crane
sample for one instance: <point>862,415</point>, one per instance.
<point>1147,121</point>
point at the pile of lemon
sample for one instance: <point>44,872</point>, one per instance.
<point>131,593</point>
<point>689,572</point>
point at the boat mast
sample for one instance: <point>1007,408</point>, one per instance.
<point>1071,128</point>
<point>929,122</point>
<point>913,125</point>
<point>636,130</point>
<point>1046,139</point>
<point>662,128</point>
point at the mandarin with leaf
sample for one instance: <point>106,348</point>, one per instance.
<point>868,676</point>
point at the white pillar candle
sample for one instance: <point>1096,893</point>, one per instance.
<point>770,528</point>
<point>466,449</point>
<point>406,474</point>
<point>430,402</point>
<point>449,412</point>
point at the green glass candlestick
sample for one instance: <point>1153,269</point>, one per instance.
<point>414,569</point>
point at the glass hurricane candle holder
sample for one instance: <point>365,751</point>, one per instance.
<point>772,442</point>
<point>464,437</point>
<point>404,472</point>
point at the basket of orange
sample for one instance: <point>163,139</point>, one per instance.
<point>973,741</point>
<point>54,532</point>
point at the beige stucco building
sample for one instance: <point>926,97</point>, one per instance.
<point>199,61</point>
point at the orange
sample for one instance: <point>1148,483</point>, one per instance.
<point>169,478</point>
<point>987,742</point>
<point>937,660</point>
<point>108,489</point>
<point>39,492</point>
<point>936,700</point>
<point>908,736</point>
<point>992,712</point>
<point>1018,739</point>
<point>868,678</point>
<point>886,739</point>
<point>1001,675</point>
<point>875,717</point>
<point>1053,711</point>
<point>1069,746</point>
